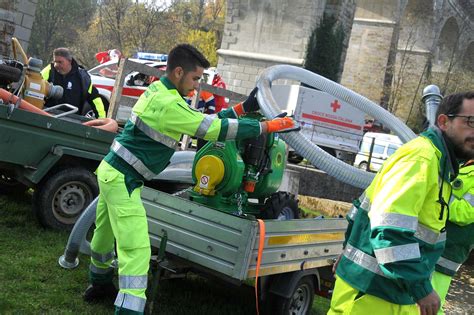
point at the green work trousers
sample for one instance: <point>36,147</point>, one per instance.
<point>121,217</point>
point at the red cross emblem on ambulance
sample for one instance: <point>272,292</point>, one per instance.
<point>335,106</point>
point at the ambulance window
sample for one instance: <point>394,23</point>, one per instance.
<point>378,149</point>
<point>391,149</point>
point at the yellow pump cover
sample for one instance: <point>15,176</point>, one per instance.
<point>209,172</point>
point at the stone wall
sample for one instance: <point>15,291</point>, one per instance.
<point>261,33</point>
<point>316,183</point>
<point>16,20</point>
<point>429,30</point>
<point>381,35</point>
<point>24,18</point>
<point>367,56</point>
<point>7,28</point>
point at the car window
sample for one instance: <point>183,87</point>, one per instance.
<point>109,72</point>
<point>105,70</point>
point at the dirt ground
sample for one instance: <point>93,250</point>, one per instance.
<point>460,299</point>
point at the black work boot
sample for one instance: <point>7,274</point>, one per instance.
<point>100,292</point>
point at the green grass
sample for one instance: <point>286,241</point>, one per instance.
<point>31,281</point>
<point>311,213</point>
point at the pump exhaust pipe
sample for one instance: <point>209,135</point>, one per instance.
<point>432,98</point>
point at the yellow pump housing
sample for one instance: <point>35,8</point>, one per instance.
<point>35,89</point>
<point>209,172</point>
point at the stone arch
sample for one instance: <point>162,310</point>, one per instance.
<point>468,59</point>
<point>416,26</point>
<point>447,42</point>
<point>377,10</point>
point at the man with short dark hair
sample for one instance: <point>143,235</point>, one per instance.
<point>396,230</point>
<point>159,119</point>
<point>76,83</point>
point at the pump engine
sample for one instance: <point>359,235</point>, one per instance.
<point>229,175</point>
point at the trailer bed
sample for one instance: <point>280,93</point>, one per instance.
<point>228,244</point>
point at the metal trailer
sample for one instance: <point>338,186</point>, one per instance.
<point>296,260</point>
<point>56,157</point>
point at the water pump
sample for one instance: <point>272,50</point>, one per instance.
<point>240,177</point>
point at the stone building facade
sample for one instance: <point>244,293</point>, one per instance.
<point>398,47</point>
<point>16,19</point>
<point>393,47</point>
<point>262,33</point>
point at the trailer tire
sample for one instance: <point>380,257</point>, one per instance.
<point>60,199</point>
<point>281,206</point>
<point>300,300</point>
<point>9,74</point>
<point>10,186</point>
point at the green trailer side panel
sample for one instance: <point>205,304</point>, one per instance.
<point>207,237</point>
<point>35,175</point>
<point>27,138</point>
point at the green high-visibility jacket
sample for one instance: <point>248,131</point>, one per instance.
<point>159,119</point>
<point>460,226</point>
<point>396,228</point>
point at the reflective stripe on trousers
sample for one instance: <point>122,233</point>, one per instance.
<point>133,282</point>
<point>130,302</point>
<point>103,258</point>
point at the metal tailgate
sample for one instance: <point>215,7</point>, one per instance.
<point>298,245</point>
<point>204,236</point>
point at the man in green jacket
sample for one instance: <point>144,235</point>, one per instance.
<point>396,228</point>
<point>139,153</point>
<point>459,231</point>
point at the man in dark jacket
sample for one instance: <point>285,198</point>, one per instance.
<point>76,82</point>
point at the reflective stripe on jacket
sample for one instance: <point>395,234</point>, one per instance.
<point>395,228</point>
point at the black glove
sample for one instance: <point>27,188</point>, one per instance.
<point>251,104</point>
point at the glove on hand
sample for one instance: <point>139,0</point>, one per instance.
<point>280,124</point>
<point>251,104</point>
<point>247,106</point>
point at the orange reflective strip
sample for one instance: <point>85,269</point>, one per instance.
<point>261,242</point>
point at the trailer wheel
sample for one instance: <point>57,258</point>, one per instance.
<point>61,198</point>
<point>300,301</point>
<point>281,206</point>
<point>10,186</point>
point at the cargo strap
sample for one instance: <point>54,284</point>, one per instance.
<point>261,242</point>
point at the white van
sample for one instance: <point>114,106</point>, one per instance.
<point>384,145</point>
